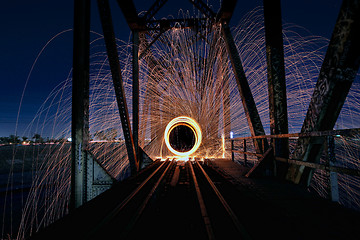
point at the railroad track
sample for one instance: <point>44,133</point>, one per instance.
<point>178,199</point>
<point>170,200</point>
<point>125,215</point>
<point>219,219</point>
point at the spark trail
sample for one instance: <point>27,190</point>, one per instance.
<point>186,73</point>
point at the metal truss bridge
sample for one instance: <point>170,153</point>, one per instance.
<point>213,198</point>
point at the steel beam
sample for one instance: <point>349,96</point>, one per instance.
<point>135,93</point>
<point>147,48</point>
<point>333,179</point>
<point>252,115</point>
<point>128,9</point>
<point>111,47</point>
<point>276,81</point>
<point>226,11</point>
<point>154,9</point>
<point>352,132</point>
<point>204,8</point>
<point>336,76</point>
<point>80,103</point>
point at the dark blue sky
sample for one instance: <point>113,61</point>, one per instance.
<point>26,26</point>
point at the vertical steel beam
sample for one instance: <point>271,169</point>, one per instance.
<point>80,102</point>
<point>336,76</point>
<point>226,108</point>
<point>224,75</point>
<point>252,115</point>
<point>276,81</point>
<point>135,93</point>
<point>333,179</point>
<point>111,47</point>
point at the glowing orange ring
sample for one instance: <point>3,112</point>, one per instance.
<point>186,121</point>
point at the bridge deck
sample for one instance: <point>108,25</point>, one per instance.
<point>264,208</point>
<point>313,216</point>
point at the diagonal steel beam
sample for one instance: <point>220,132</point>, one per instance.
<point>336,76</point>
<point>204,8</point>
<point>276,81</point>
<point>110,42</point>
<point>154,9</point>
<point>129,11</point>
<point>147,49</point>
<point>135,90</point>
<point>252,115</point>
<point>226,11</point>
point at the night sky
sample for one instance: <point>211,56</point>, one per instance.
<point>26,26</point>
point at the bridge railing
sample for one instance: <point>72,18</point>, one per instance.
<point>243,149</point>
<point>340,155</point>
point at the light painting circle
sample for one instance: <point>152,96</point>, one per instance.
<point>185,121</point>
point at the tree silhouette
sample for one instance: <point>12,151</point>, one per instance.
<point>37,138</point>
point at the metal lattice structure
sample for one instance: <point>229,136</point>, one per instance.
<point>336,76</point>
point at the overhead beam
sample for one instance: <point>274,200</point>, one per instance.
<point>80,103</point>
<point>336,76</point>
<point>276,81</point>
<point>111,47</point>
<point>252,115</point>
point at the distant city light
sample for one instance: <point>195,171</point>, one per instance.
<point>69,139</point>
<point>231,134</point>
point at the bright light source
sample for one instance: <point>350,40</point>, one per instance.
<point>188,122</point>
<point>231,134</point>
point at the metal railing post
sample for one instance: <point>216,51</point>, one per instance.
<point>232,148</point>
<point>245,156</point>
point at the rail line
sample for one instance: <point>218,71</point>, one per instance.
<point>168,177</point>
<point>235,221</point>
<point>172,199</point>
<point>113,215</point>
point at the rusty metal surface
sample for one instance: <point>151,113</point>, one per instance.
<point>337,73</point>
<point>276,80</point>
